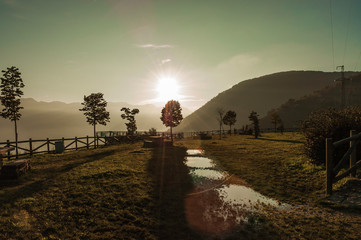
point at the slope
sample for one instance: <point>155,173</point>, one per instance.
<point>258,94</point>
<point>293,112</point>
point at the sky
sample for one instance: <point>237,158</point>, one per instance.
<point>130,49</point>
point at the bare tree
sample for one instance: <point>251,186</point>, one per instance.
<point>220,113</point>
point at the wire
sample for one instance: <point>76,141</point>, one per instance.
<point>347,31</point>
<point>333,51</point>
<point>358,60</point>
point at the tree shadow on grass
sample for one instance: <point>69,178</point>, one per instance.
<point>279,140</point>
<point>40,179</point>
<point>172,183</point>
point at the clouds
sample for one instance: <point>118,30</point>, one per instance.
<point>155,46</point>
<point>164,61</point>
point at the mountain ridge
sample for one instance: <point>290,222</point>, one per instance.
<point>259,94</point>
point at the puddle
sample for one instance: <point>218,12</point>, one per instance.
<point>207,174</point>
<point>219,201</point>
<point>199,162</point>
<point>192,152</point>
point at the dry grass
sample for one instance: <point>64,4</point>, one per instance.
<point>276,166</point>
<point>127,192</point>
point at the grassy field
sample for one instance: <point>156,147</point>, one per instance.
<point>276,166</point>
<point>119,192</point>
<point>273,164</point>
<point>129,192</point>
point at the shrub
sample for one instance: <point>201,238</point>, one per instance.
<point>152,132</point>
<point>331,123</point>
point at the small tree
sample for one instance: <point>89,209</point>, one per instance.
<point>11,85</point>
<point>95,111</point>
<point>281,127</point>
<point>220,113</point>
<point>171,115</point>
<point>230,119</point>
<point>276,120</point>
<point>152,132</point>
<point>253,117</point>
<point>129,115</point>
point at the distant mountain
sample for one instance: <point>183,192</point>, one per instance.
<point>259,94</point>
<point>293,112</point>
<point>59,119</point>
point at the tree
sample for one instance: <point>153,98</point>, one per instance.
<point>281,127</point>
<point>220,113</point>
<point>171,115</point>
<point>253,117</point>
<point>153,132</point>
<point>11,85</point>
<point>129,115</point>
<point>95,111</point>
<point>276,120</point>
<point>230,119</point>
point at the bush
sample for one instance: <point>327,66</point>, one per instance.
<point>331,123</point>
<point>153,132</point>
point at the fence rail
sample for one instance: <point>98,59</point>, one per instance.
<point>34,146</point>
<point>333,166</point>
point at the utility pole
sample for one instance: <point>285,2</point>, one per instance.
<point>343,97</point>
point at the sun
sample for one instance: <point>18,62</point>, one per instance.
<point>168,89</point>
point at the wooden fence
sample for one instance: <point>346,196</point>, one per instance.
<point>32,146</point>
<point>333,166</point>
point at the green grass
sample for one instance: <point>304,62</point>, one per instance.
<point>273,164</point>
<point>117,192</point>
<point>276,166</point>
<point>97,194</point>
<point>128,192</point>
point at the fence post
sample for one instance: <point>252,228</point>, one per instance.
<point>30,146</point>
<point>76,143</point>
<point>47,145</point>
<point>353,154</point>
<point>87,142</point>
<point>8,145</point>
<point>329,166</point>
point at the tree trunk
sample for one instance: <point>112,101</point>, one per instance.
<point>171,134</point>
<point>275,127</point>
<point>16,139</point>
<point>95,142</point>
<point>230,130</point>
<point>220,131</point>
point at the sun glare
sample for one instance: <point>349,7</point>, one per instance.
<point>167,89</point>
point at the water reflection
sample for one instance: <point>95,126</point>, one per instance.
<point>192,152</point>
<point>219,201</point>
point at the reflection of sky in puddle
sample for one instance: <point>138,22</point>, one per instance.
<point>192,152</point>
<point>243,196</point>
<point>199,162</point>
<point>218,202</point>
<point>207,174</point>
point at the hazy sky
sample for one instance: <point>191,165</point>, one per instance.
<point>66,49</point>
